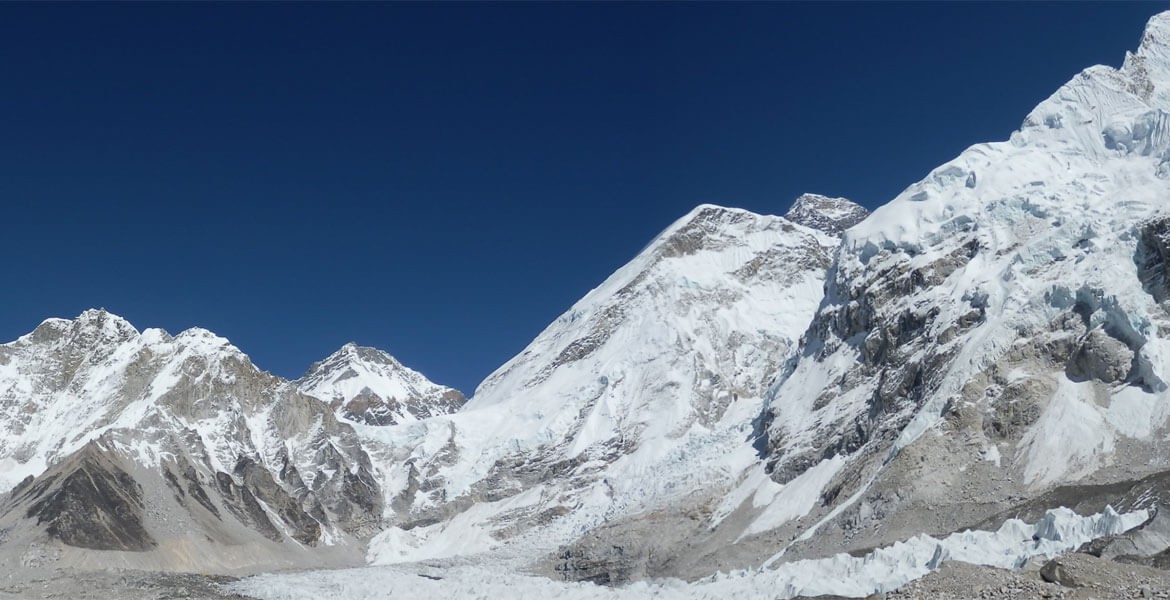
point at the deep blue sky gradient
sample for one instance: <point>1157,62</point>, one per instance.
<point>443,180</point>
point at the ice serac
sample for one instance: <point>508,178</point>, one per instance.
<point>831,215</point>
<point>210,463</point>
<point>368,386</point>
<point>644,393</point>
<point>998,328</point>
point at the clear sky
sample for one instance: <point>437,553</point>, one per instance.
<point>443,180</point>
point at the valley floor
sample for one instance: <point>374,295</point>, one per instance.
<point>1100,579</point>
<point>942,567</point>
<point>1105,580</point>
<point>29,584</point>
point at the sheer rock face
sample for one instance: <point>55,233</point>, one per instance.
<point>368,386</point>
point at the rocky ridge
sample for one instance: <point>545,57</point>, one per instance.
<point>123,441</point>
<point>830,215</point>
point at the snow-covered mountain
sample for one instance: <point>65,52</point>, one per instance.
<point>746,392</point>
<point>994,331</point>
<point>998,328</point>
<point>368,386</point>
<point>643,392</point>
<point>223,454</point>
<point>650,384</point>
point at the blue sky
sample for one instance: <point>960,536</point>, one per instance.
<point>443,180</point>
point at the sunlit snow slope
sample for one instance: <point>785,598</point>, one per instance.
<point>644,392</point>
<point>1000,326</point>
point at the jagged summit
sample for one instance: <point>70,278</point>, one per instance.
<point>92,325</point>
<point>707,226</point>
<point>699,229</point>
<point>366,385</point>
<point>830,215</point>
<point>709,230</point>
<point>239,455</point>
<point>98,329</point>
<point>364,354</point>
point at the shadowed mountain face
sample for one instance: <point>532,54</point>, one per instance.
<point>89,502</point>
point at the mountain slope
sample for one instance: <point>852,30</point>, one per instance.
<point>210,440</point>
<point>996,329</point>
<point>640,394</point>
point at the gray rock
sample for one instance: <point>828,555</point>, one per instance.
<point>1058,571</point>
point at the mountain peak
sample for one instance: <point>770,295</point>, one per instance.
<point>92,327</point>
<point>368,385</point>
<point>103,319</point>
<point>695,229</point>
<point>1155,42</point>
<point>353,352</point>
<point>830,215</point>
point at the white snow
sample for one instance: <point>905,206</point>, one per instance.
<point>355,371</point>
<point>1070,437</point>
<point>1054,214</point>
<point>991,454</point>
<point>651,382</point>
<point>793,499</point>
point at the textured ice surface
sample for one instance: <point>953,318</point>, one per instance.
<point>883,570</point>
